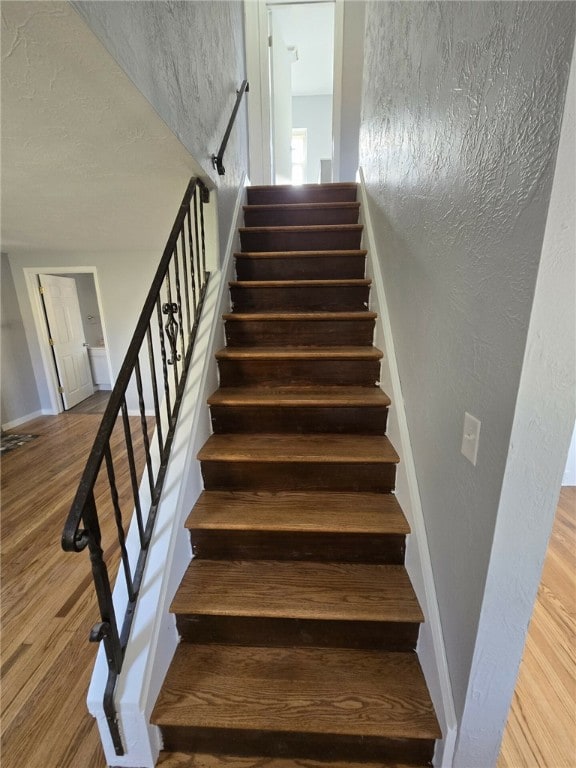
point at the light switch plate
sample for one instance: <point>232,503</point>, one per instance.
<point>470,438</point>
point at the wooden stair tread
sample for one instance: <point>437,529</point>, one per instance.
<point>316,512</point>
<point>298,316</point>
<point>304,228</point>
<point>361,282</point>
<point>182,760</point>
<point>291,353</point>
<point>298,254</point>
<point>300,206</point>
<point>356,397</point>
<point>325,448</point>
<point>298,590</point>
<point>308,690</point>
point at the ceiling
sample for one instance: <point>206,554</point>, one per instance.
<point>87,164</point>
<point>309,27</point>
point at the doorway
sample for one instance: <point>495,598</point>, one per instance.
<point>89,371</point>
<point>302,77</point>
<point>295,77</point>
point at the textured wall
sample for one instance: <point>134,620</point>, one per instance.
<point>461,113</point>
<point>19,395</point>
<point>545,412</point>
<point>187,59</point>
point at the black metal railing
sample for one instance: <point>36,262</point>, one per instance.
<point>218,160</point>
<point>127,465</point>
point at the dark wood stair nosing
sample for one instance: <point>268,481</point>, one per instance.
<point>351,204</point>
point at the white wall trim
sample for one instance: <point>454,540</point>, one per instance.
<point>431,649</point>
<point>337,87</point>
<point>259,97</point>
<point>24,419</point>
<point>154,637</point>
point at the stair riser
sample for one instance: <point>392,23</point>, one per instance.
<point>387,549</point>
<point>299,217</point>
<point>274,632</point>
<point>238,373</point>
<point>298,476</point>
<point>256,419</point>
<point>299,333</point>
<point>304,240</point>
<point>286,196</point>
<point>303,299</point>
<point>296,745</point>
<point>305,268</point>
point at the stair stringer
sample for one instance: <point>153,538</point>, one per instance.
<point>431,649</point>
<point>154,637</point>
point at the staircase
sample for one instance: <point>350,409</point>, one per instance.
<point>297,617</point>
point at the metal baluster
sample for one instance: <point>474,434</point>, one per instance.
<point>133,474</point>
<point>144,426</point>
<point>118,518</point>
<point>191,248</point>
<point>152,363</point>
<point>203,198</point>
<point>107,629</point>
<point>197,237</point>
<point>163,355</point>
<point>185,275</point>
<point>179,300</point>
<point>168,309</point>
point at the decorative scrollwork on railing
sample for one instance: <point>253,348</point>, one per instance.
<point>171,329</point>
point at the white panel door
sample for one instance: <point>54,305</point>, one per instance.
<point>281,77</point>
<point>65,328</point>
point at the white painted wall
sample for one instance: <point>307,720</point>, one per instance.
<point>458,176</point>
<point>544,414</point>
<point>18,392</point>
<point>315,114</point>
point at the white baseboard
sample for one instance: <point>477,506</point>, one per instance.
<point>431,649</point>
<point>28,417</point>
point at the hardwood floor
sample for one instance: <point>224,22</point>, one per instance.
<point>95,404</point>
<point>541,728</point>
<point>48,604</point>
<point>48,608</point>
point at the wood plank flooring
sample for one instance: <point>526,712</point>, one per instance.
<point>48,608</point>
<point>95,404</point>
<point>541,729</point>
<point>48,604</point>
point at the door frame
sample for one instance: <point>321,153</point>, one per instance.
<point>259,98</point>
<point>41,328</point>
